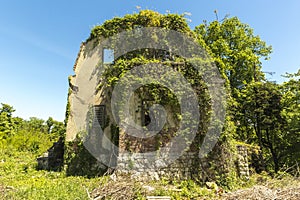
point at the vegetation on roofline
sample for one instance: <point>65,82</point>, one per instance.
<point>145,18</point>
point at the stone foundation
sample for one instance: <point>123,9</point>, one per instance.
<point>147,166</point>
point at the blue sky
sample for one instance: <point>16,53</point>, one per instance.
<point>40,41</point>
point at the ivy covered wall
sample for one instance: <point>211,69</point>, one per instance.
<point>216,164</point>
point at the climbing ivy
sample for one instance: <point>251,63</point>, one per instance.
<point>145,18</point>
<point>159,94</point>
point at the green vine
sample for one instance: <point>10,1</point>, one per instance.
<point>145,18</point>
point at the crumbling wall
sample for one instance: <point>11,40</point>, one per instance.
<point>242,161</point>
<point>53,159</point>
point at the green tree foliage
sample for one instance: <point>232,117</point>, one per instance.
<point>268,114</point>
<point>264,113</point>
<point>6,121</point>
<point>291,112</point>
<point>34,135</point>
<point>55,128</point>
<point>236,50</point>
<point>261,121</point>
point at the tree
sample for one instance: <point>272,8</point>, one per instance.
<point>291,112</point>
<point>236,50</point>
<point>54,128</point>
<point>7,109</point>
<point>34,135</point>
<point>6,120</point>
<point>261,121</point>
<point>36,124</point>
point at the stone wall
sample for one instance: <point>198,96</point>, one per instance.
<point>149,166</point>
<point>53,158</point>
<point>242,161</point>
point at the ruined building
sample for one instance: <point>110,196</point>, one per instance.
<point>108,135</point>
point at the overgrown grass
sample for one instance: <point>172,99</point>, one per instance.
<point>183,190</point>
<point>20,180</point>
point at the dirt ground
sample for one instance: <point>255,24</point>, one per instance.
<point>264,193</point>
